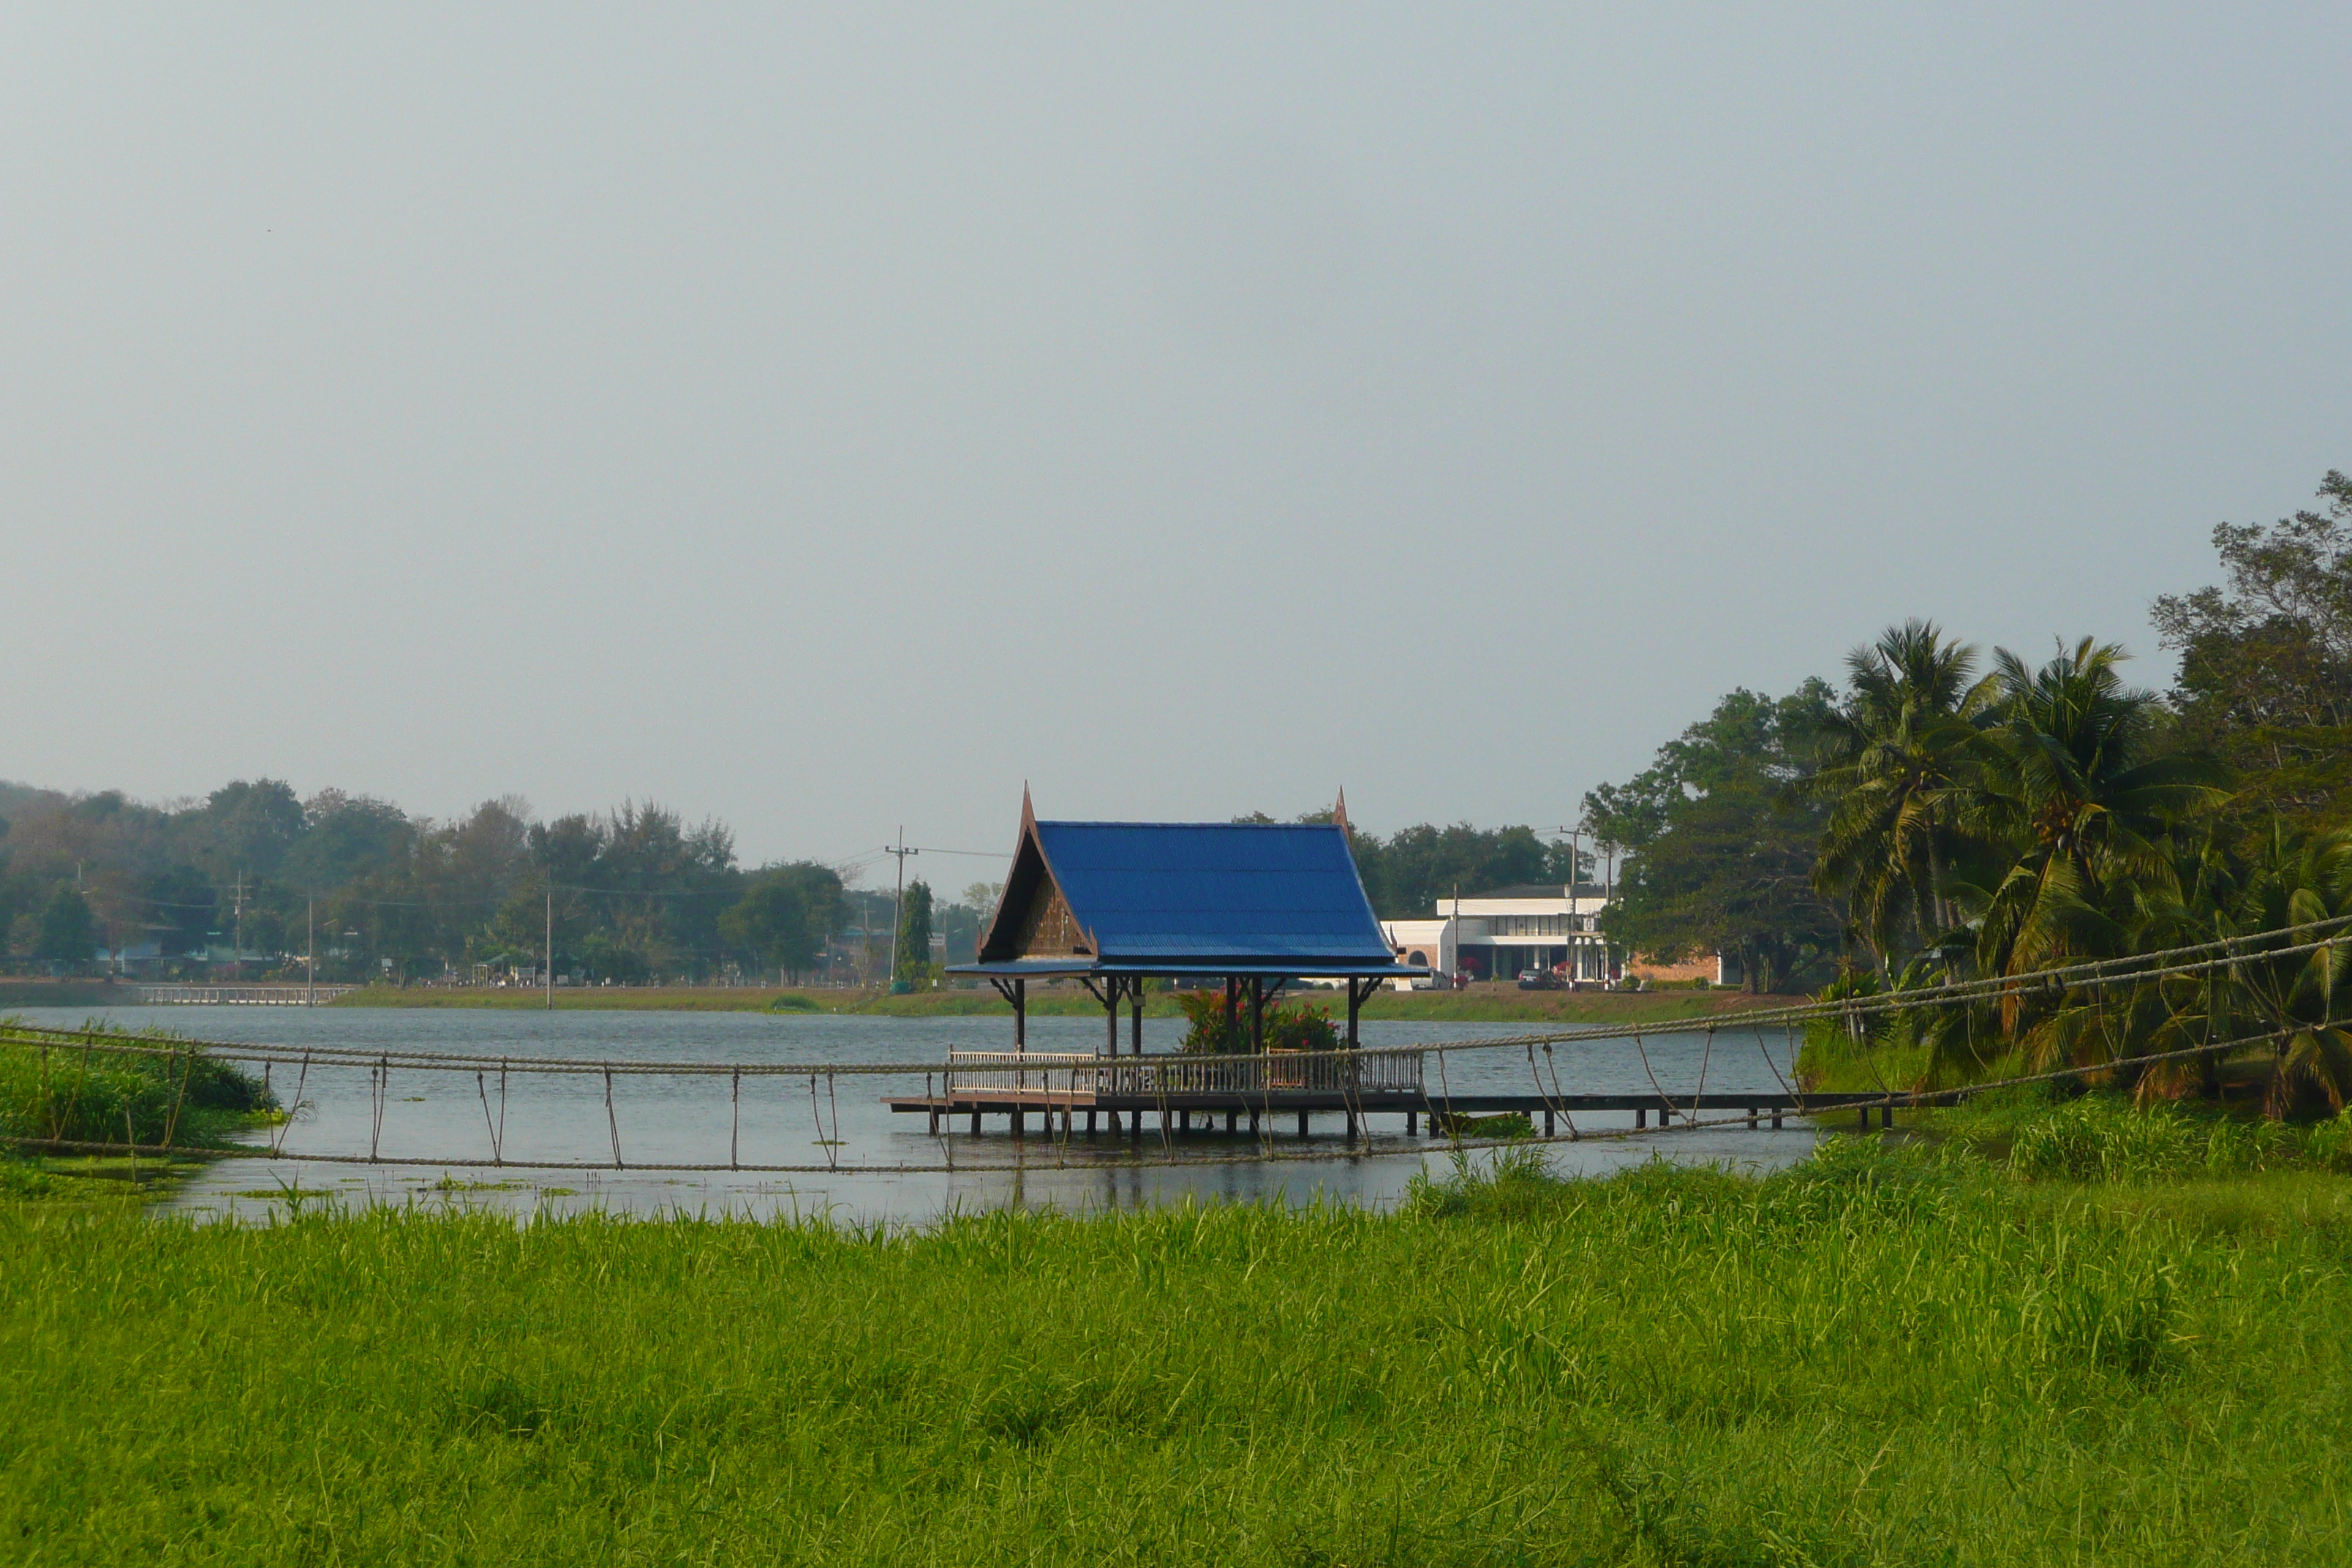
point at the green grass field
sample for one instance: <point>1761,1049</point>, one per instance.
<point>1885,1355</point>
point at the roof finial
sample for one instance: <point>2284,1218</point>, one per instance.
<point>1339,812</point>
<point>1028,812</point>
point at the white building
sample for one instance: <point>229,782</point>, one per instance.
<point>1499,934</point>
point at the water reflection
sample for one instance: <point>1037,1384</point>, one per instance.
<point>800,1121</point>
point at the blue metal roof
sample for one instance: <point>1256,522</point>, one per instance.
<point>1176,890</point>
<point>1187,894</point>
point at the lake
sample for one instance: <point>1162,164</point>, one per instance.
<point>438,1116</point>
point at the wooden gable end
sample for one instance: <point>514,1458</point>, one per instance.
<point>1032,918</point>
<point>1048,928</point>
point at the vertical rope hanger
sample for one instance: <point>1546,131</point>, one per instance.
<point>379,1089</point>
<point>612,1120</point>
<point>172,1123</point>
<point>833,1148</point>
<point>1705,1056</point>
<point>482,1092</point>
<point>1551,1067</point>
<point>277,1141</point>
<point>735,1120</point>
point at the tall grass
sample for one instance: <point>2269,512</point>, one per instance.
<point>58,1092</point>
<point>1880,1356</point>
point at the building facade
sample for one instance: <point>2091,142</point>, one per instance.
<point>1503,934</point>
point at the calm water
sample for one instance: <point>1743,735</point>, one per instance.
<point>442,1116</point>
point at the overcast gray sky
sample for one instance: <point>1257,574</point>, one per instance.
<point>827,419</point>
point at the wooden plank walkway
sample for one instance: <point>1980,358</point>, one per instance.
<point>1175,1112</point>
<point>260,995</point>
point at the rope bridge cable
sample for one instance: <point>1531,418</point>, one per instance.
<point>1288,1155</point>
<point>380,1063</point>
<point>1278,1155</point>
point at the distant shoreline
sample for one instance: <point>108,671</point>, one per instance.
<point>1477,1006</point>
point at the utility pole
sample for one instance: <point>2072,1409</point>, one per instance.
<point>236,953</point>
<point>1575,875</point>
<point>898,901</point>
<point>550,939</point>
<point>310,951</point>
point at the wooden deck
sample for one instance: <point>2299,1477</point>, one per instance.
<point>1126,1094</point>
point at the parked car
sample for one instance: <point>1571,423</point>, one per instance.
<point>1538,980</point>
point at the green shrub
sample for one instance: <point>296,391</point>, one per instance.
<point>97,1096</point>
<point>1296,1028</point>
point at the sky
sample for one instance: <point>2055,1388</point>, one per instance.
<point>828,419</point>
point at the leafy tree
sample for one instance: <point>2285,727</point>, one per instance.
<point>2265,676</point>
<point>249,828</point>
<point>345,837</point>
<point>772,921</point>
<point>602,959</point>
<point>67,934</point>
<point>1724,840</point>
<point>914,932</point>
<point>1732,873</point>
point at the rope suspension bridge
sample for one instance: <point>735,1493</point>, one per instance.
<point>1125,1095</point>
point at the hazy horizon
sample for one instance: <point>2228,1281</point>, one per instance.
<point>830,421</point>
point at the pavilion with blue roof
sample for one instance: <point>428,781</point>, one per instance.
<point>1111,904</point>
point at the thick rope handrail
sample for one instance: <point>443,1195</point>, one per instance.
<point>1290,1156</point>
<point>2222,953</point>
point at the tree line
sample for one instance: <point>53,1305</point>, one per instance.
<point>634,894</point>
<point>1946,815</point>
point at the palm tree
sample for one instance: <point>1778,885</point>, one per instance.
<point>2300,1003</point>
<point>2071,779</point>
<point>1896,759</point>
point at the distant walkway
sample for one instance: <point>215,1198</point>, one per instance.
<point>235,995</point>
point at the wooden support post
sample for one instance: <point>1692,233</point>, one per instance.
<point>1231,1120</point>
<point>1355,1003</point>
<point>1110,1013</point>
<point>1090,1123</point>
<point>1775,1118</point>
<point>975,1122</point>
<point>1865,1118</point>
<point>1183,1122</point>
<point>1019,1123</point>
<point>1641,1117</point>
<point>1135,1015</point>
<point>1252,1123</point>
<point>1548,1127</point>
<point>1352,1125</point>
<point>1020,1014</point>
<point>1751,1116</point>
<point>1887,1116</point>
<point>1135,1126</point>
<point>1412,1124</point>
<point>1302,1124</point>
<point>1258,1014</point>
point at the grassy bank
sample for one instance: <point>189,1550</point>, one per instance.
<point>58,993</point>
<point>1477,1004</point>
<point>1884,1356</point>
<point>98,1096</point>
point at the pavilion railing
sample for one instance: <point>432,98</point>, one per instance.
<point>1277,1072</point>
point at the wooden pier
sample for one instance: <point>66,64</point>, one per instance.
<point>1097,1095</point>
<point>272,995</point>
